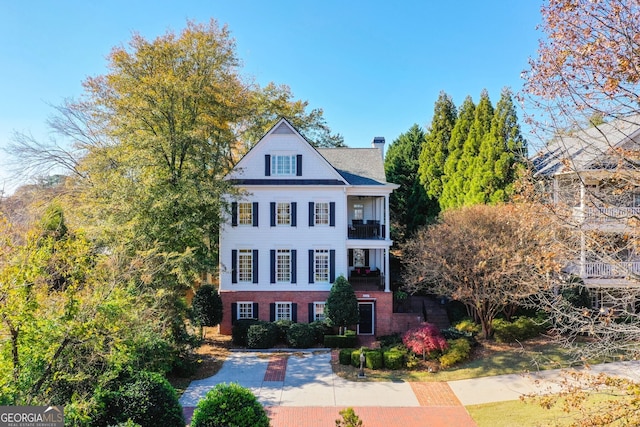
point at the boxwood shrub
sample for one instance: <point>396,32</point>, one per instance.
<point>344,357</point>
<point>340,341</point>
<point>301,335</point>
<point>229,405</point>
<point>521,329</point>
<point>393,359</point>
<point>459,351</point>
<point>240,329</point>
<point>262,335</point>
<point>373,359</point>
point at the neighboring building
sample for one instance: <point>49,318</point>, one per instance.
<point>307,216</point>
<point>592,179</point>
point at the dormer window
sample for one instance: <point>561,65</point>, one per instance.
<point>283,165</point>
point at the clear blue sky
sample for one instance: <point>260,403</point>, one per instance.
<point>374,67</point>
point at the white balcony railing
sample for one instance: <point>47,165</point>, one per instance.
<point>610,270</point>
<point>606,215</point>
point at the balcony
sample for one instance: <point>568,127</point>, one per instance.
<point>369,229</point>
<point>602,270</point>
<point>364,283</point>
<point>606,215</point>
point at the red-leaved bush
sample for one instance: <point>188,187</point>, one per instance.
<point>424,339</point>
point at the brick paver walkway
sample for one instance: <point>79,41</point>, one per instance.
<point>451,416</point>
<point>435,394</point>
<point>276,368</point>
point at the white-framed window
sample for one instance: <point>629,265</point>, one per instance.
<point>321,213</point>
<point>245,265</point>
<point>283,213</point>
<point>245,213</point>
<point>321,265</point>
<point>358,258</point>
<point>358,211</point>
<point>283,164</point>
<point>245,310</point>
<point>283,265</point>
<point>283,311</point>
<point>318,310</point>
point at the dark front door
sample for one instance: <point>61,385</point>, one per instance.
<point>366,316</point>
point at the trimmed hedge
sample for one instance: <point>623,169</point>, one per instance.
<point>240,329</point>
<point>373,358</point>
<point>301,335</point>
<point>344,357</point>
<point>340,341</point>
<point>393,359</point>
<point>262,335</point>
<point>459,351</point>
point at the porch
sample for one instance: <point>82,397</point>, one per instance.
<point>604,270</point>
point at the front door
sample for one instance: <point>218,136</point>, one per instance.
<point>366,318</point>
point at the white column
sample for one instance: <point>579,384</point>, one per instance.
<point>387,220</point>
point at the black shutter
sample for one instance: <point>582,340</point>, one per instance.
<point>255,266</point>
<point>350,257</point>
<point>294,312</point>
<point>267,165</point>
<point>299,165</point>
<point>255,214</point>
<point>256,314</point>
<point>332,214</point>
<point>294,266</point>
<point>272,274</point>
<point>311,317</point>
<point>272,208</point>
<point>234,312</point>
<point>311,213</point>
<point>294,214</point>
<point>234,214</point>
<point>272,312</point>
<point>234,266</point>
<point>366,257</point>
<point>332,266</point>
<point>311,266</point>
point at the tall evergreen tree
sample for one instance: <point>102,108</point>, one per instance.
<point>409,205</point>
<point>501,152</point>
<point>469,165</point>
<point>451,186</point>
<point>435,149</point>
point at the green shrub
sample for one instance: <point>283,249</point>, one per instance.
<point>229,405</point>
<point>459,351</point>
<point>344,357</point>
<point>393,359</point>
<point>521,329</point>
<point>262,335</point>
<point>468,326</point>
<point>373,359</point>
<point>146,399</point>
<point>340,341</point>
<point>240,329</point>
<point>301,335</point>
<point>349,419</point>
<point>206,306</point>
<point>283,328</point>
<point>320,329</point>
<point>355,357</point>
<point>390,340</point>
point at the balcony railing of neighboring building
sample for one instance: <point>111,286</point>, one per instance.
<point>606,215</point>
<point>604,270</point>
<point>369,229</point>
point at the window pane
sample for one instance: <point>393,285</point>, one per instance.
<point>322,213</point>
<point>245,265</point>
<point>283,311</point>
<point>283,165</point>
<point>245,310</point>
<point>284,214</point>
<point>318,311</point>
<point>321,265</point>
<point>245,213</point>
<point>283,265</point>
<point>358,211</point>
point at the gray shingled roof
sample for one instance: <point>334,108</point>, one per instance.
<point>359,166</point>
<point>588,149</point>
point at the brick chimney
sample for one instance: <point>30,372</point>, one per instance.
<point>378,142</point>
